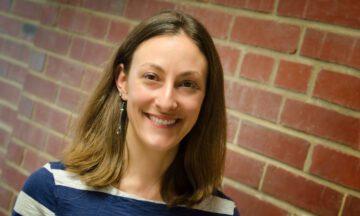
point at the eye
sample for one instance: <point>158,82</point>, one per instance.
<point>189,84</point>
<point>150,76</point>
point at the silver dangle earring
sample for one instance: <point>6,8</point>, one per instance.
<point>122,109</point>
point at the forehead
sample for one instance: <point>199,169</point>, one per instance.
<point>173,51</point>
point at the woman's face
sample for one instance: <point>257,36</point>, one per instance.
<point>164,90</point>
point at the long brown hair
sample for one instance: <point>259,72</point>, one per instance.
<point>97,152</point>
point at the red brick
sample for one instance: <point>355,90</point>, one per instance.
<point>64,71</point>
<point>12,71</point>
<point>291,8</point>
<point>70,99</point>
<point>52,40</point>
<point>216,22</point>
<point>257,67</point>
<point>5,5</point>
<point>55,145</point>
<point>272,143</point>
<point>312,44</point>
<point>49,14</point>
<point>338,88</point>
<point>90,80</point>
<point>229,57</point>
<point>9,26</point>
<point>36,60</point>
<point>252,206</point>
<point>243,169</point>
<point>108,6</point>
<point>331,46</point>
<point>30,134</point>
<point>4,138</point>
<point>48,116</point>
<point>71,2</point>
<point>232,127</point>
<point>73,20</point>
<point>253,101</point>
<point>12,177</point>
<point>352,206</point>
<point>118,31</point>
<point>321,122</point>
<point>5,198</point>
<point>26,106</point>
<point>141,9</point>
<point>335,12</point>
<point>266,33</point>
<point>257,5</point>
<point>15,50</point>
<point>336,166</point>
<point>15,153</point>
<point>293,76</point>
<point>33,160</point>
<point>89,52</point>
<point>98,26</point>
<point>8,115</point>
<point>355,56</point>
<point>9,92</point>
<point>27,9</point>
<point>302,192</point>
<point>41,87</point>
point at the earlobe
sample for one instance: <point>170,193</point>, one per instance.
<point>121,82</point>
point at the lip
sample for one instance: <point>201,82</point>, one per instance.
<point>166,119</point>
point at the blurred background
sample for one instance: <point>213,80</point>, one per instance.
<point>292,71</point>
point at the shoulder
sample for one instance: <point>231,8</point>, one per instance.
<point>39,191</point>
<point>218,203</point>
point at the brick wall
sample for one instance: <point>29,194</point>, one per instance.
<point>292,71</point>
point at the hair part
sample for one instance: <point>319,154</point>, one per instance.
<point>97,153</point>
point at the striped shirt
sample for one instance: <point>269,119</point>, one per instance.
<point>52,190</point>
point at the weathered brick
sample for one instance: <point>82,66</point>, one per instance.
<point>321,122</point>
<point>33,160</point>
<point>40,87</point>
<point>9,26</point>
<point>253,101</point>
<point>12,71</point>
<point>243,169</point>
<point>98,26</point>
<point>257,67</point>
<point>252,206</point>
<point>27,9</point>
<point>70,99</point>
<point>55,145</point>
<point>15,50</point>
<point>352,206</point>
<point>272,143</point>
<point>5,5</point>
<point>5,198</point>
<point>90,52</point>
<point>15,153</point>
<point>336,166</point>
<point>9,92</point>
<point>232,126</point>
<point>257,5</point>
<point>30,134</point>
<point>52,40</point>
<point>90,80</point>
<point>141,9</point>
<point>229,57</point>
<point>302,192</point>
<point>8,115</point>
<point>108,6</point>
<point>49,14</point>
<point>4,138</point>
<point>338,88</point>
<point>118,31</point>
<point>73,20</point>
<point>36,60</point>
<point>13,177</point>
<point>293,76</point>
<point>266,33</point>
<point>26,106</point>
<point>64,71</point>
<point>48,116</point>
<point>216,22</point>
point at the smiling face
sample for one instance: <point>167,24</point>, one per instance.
<point>164,90</point>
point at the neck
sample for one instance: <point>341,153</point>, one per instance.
<point>144,171</point>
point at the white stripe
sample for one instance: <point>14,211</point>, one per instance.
<point>213,204</point>
<point>26,205</point>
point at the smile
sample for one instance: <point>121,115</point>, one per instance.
<point>159,121</point>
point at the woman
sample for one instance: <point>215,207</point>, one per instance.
<point>152,138</point>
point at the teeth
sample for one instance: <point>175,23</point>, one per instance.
<point>161,121</point>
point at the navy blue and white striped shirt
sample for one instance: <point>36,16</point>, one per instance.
<point>53,191</point>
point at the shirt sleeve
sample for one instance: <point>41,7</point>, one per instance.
<point>38,196</point>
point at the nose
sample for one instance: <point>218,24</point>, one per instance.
<point>166,100</point>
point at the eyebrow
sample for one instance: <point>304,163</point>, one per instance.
<point>183,74</point>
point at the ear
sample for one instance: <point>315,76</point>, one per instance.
<point>122,82</point>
